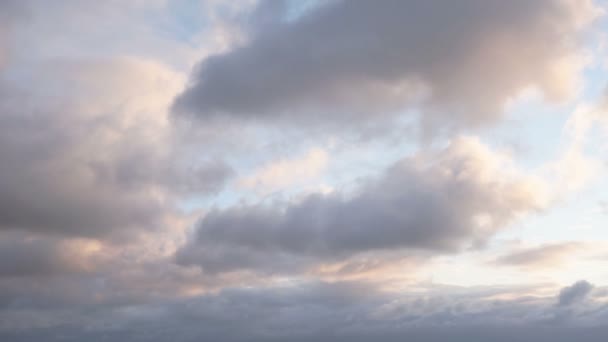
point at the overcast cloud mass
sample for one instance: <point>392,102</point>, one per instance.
<point>340,170</point>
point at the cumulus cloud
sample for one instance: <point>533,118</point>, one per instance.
<point>575,293</point>
<point>441,202</point>
<point>89,160</point>
<point>462,60</point>
<point>81,162</point>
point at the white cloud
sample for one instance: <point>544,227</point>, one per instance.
<point>287,173</point>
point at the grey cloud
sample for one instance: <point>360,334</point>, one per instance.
<point>575,293</point>
<point>9,11</point>
<point>21,255</point>
<point>57,142</point>
<point>208,177</point>
<point>78,163</point>
<point>43,185</point>
<point>350,57</point>
<point>436,202</point>
<point>304,311</point>
<point>528,333</point>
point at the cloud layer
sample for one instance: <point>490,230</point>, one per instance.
<point>326,312</point>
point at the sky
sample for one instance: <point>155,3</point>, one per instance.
<point>327,170</point>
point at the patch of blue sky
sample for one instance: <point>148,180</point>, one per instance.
<point>532,130</point>
<point>535,130</point>
<point>575,219</point>
<point>298,8</point>
<point>351,158</point>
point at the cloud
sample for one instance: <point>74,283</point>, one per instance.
<point>302,311</point>
<point>90,158</point>
<point>439,202</point>
<point>87,149</point>
<point>601,115</point>
<point>575,167</point>
<point>23,255</point>
<point>575,293</point>
<point>603,207</point>
<point>541,256</point>
<point>10,10</point>
<point>282,173</point>
<point>349,61</point>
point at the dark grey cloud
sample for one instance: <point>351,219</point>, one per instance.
<point>574,294</point>
<point>304,311</point>
<point>529,333</point>
<point>22,256</point>
<point>441,202</point>
<point>352,59</point>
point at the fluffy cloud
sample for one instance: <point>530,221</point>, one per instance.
<point>79,161</point>
<point>574,294</point>
<point>441,202</point>
<point>89,161</point>
<point>351,59</point>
